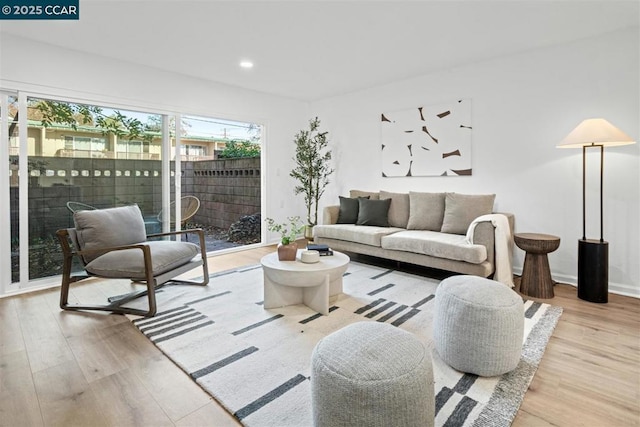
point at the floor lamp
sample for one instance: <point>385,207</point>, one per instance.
<point>593,255</point>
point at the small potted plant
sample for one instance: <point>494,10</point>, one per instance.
<point>288,233</point>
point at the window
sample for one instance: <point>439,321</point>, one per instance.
<point>83,146</point>
<point>58,172</point>
<point>129,149</point>
<point>193,150</point>
<point>104,157</point>
<point>137,150</point>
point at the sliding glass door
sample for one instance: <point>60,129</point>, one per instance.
<point>62,156</point>
<point>65,157</point>
<point>9,131</point>
<point>220,163</point>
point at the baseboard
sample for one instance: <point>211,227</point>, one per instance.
<point>622,289</point>
<point>614,288</point>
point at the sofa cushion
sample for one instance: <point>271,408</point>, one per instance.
<point>354,233</point>
<point>373,212</point>
<point>426,211</point>
<point>102,228</point>
<point>359,193</point>
<point>437,244</point>
<point>461,209</point>
<point>165,256</point>
<point>399,208</point>
<point>348,213</point>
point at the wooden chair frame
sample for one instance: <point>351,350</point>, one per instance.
<point>68,241</point>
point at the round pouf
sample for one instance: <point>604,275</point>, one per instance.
<point>478,325</point>
<point>372,374</point>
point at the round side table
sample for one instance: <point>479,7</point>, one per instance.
<point>536,278</point>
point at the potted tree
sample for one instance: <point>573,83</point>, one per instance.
<point>311,170</point>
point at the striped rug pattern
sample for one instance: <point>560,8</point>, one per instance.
<point>256,362</point>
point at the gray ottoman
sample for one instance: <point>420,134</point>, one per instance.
<point>372,374</point>
<point>478,325</point>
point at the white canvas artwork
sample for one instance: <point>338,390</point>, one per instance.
<point>433,140</point>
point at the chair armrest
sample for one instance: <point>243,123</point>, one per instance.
<point>63,236</point>
<point>330,214</point>
<point>69,251</point>
<point>175,233</point>
<point>103,251</point>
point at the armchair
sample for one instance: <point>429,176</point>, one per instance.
<point>112,243</point>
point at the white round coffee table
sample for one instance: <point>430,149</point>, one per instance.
<point>294,282</point>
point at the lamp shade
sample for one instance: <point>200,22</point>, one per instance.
<point>595,132</point>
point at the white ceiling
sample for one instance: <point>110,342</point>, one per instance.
<point>311,50</point>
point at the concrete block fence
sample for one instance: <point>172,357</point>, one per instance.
<point>227,189</point>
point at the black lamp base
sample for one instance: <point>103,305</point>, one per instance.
<point>593,270</point>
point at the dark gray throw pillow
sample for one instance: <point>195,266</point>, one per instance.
<point>373,212</point>
<point>349,208</point>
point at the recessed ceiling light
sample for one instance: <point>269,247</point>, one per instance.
<point>246,64</point>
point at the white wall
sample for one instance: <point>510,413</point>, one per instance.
<point>522,106</point>
<point>49,70</point>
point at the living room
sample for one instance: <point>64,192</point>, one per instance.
<point>524,101</point>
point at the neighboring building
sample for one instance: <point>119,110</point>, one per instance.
<point>59,140</point>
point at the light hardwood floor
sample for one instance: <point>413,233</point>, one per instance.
<point>95,369</point>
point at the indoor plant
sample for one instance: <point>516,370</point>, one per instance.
<point>288,233</point>
<point>311,169</point>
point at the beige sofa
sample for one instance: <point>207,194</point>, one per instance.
<point>427,229</point>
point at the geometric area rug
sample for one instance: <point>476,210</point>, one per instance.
<point>257,362</point>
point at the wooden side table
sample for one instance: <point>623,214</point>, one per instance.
<point>536,278</point>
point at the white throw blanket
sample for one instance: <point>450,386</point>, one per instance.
<point>503,246</point>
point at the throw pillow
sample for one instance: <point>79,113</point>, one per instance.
<point>369,194</point>
<point>461,209</point>
<point>426,211</point>
<point>348,213</point>
<point>399,208</point>
<point>373,212</point>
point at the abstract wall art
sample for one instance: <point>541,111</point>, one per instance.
<point>433,140</point>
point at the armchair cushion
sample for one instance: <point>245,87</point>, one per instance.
<point>104,228</point>
<point>165,256</point>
